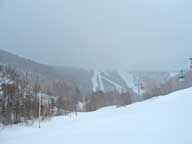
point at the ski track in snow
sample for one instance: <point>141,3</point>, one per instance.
<point>101,86</point>
<point>118,87</point>
<point>94,81</point>
<point>97,81</point>
<point>129,80</point>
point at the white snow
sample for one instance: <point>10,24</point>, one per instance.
<point>97,81</point>
<point>118,87</point>
<point>106,73</point>
<point>161,120</point>
<point>101,86</point>
<point>94,81</point>
<point>129,80</point>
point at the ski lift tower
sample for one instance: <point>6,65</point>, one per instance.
<point>40,102</point>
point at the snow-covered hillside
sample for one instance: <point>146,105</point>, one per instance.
<point>122,80</point>
<point>161,120</point>
<point>129,79</point>
<point>98,80</point>
<point>88,80</point>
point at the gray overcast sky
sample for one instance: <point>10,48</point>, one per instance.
<point>128,34</point>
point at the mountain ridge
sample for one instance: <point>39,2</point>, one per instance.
<point>87,81</point>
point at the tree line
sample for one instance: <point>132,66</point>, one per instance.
<point>21,94</point>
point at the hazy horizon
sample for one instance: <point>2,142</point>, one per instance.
<point>104,34</point>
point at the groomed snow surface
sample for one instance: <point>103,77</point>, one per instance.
<point>161,120</point>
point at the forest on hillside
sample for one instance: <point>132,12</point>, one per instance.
<point>24,98</point>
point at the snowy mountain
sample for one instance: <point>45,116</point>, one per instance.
<point>123,80</point>
<point>89,81</point>
<point>161,120</point>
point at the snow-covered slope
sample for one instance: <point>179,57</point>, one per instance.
<point>98,79</point>
<point>129,79</point>
<point>87,81</point>
<point>161,120</point>
<point>123,80</point>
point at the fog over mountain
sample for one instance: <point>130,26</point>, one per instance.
<point>104,34</point>
<point>94,80</point>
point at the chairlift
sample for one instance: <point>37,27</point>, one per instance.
<point>182,76</point>
<point>141,87</point>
